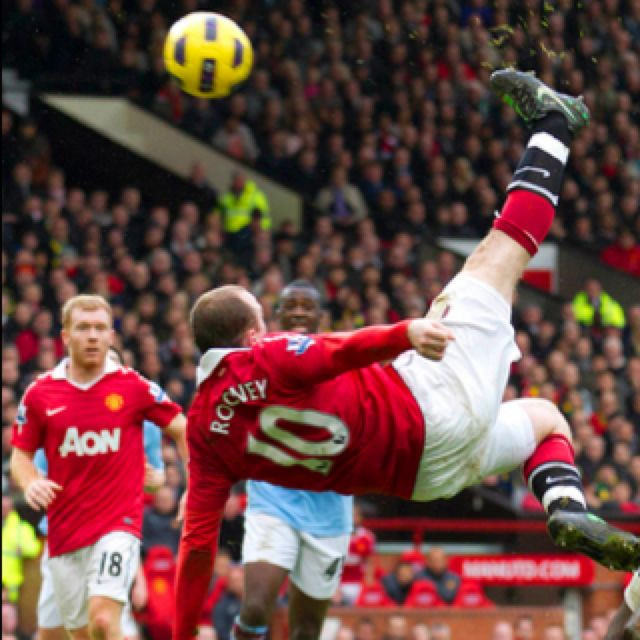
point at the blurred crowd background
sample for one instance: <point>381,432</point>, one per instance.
<point>379,114</point>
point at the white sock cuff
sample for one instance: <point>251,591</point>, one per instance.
<point>556,493</point>
<point>547,143</point>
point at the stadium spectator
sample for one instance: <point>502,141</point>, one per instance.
<point>228,605</point>
<point>344,633</point>
<point>596,309</point>
<point>420,632</point>
<point>19,541</point>
<point>159,525</point>
<point>398,582</point>
<point>365,629</point>
<point>553,632</point>
<point>440,631</point>
<point>238,207</point>
<point>437,571</point>
<point>502,630</point>
<point>624,254</point>
<point>341,200</point>
<point>524,628</point>
<point>397,628</point>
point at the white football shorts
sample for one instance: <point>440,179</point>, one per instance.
<point>106,568</point>
<point>49,616</point>
<point>314,563</point>
<point>632,593</point>
<point>469,432</point>
<point>48,613</point>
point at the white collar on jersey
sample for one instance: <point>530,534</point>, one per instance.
<point>210,360</point>
<point>60,373</point>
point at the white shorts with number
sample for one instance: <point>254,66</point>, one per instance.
<point>470,433</point>
<point>314,563</point>
<point>48,614</point>
<point>106,568</point>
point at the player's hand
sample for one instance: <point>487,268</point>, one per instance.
<point>153,478</point>
<point>429,337</point>
<point>41,492</point>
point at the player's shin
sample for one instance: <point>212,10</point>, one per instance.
<point>534,190</point>
<point>242,631</point>
<point>554,479</point>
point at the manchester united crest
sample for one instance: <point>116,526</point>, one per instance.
<point>114,402</point>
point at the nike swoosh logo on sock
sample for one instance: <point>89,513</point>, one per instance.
<point>544,172</point>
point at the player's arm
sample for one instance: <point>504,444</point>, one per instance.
<point>310,359</point>
<point>39,492</point>
<point>27,437</point>
<point>177,431</point>
<point>208,491</point>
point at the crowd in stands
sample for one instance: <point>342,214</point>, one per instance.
<point>399,627</point>
<point>380,110</point>
<point>151,263</point>
<point>379,114</point>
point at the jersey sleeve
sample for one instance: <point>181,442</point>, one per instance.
<point>157,407</point>
<point>29,426</point>
<point>299,360</point>
<point>207,494</point>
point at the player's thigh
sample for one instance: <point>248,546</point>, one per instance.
<point>475,367</point>
<point>306,614</point>
<point>271,540</point>
<point>69,577</point>
<point>113,566</point>
<point>319,566</point>
<point>460,451</point>
<point>49,619</point>
<point>511,439</point>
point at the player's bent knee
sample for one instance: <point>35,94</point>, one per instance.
<point>546,419</point>
<point>103,624</point>
<point>254,612</point>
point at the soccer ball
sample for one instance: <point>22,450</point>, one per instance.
<point>208,54</point>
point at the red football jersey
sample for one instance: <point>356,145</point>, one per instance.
<point>93,439</point>
<point>304,411</point>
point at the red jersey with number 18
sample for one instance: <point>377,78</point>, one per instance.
<point>304,411</point>
<point>93,439</point>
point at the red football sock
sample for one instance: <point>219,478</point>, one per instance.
<point>552,475</point>
<point>554,448</point>
<point>526,218</point>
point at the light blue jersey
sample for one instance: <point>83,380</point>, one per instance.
<point>152,450</point>
<point>325,514</point>
<point>153,445</point>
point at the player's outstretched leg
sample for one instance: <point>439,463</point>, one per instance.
<point>533,192</point>
<point>553,478</point>
<point>525,219</point>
